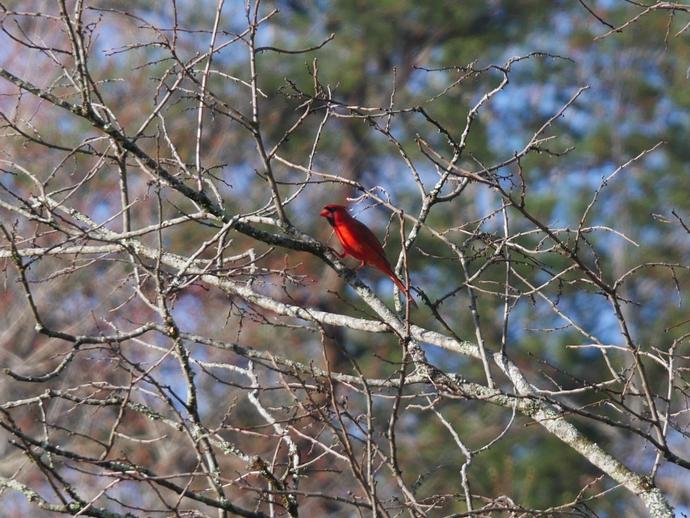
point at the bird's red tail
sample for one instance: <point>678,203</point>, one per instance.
<point>402,287</point>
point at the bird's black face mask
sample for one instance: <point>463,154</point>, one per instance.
<point>328,214</point>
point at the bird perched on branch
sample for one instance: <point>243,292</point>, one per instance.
<point>360,242</point>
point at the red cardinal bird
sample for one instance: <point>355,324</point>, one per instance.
<point>360,242</point>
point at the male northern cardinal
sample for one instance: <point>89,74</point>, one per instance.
<point>360,242</point>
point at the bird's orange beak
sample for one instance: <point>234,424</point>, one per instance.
<point>325,213</point>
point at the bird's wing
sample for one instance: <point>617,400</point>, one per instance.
<point>361,241</point>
